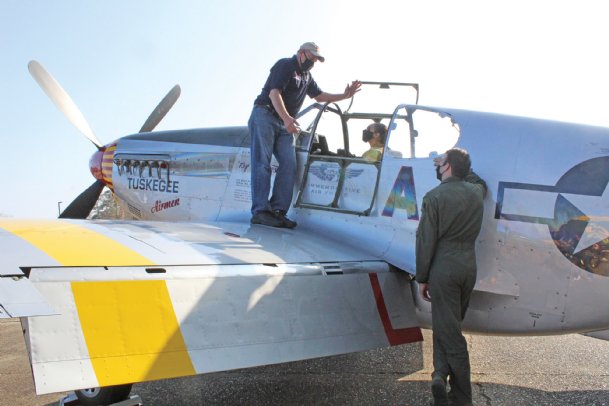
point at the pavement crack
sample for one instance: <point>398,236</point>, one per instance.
<point>481,388</point>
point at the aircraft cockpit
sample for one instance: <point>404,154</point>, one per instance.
<point>336,176</point>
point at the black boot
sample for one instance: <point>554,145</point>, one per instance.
<point>287,223</point>
<point>438,389</point>
<point>267,218</point>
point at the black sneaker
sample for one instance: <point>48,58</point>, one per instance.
<point>287,223</point>
<point>266,218</point>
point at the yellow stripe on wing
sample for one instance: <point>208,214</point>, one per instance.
<point>73,245</point>
<point>131,331</point>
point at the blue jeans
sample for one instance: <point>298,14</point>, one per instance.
<point>270,137</point>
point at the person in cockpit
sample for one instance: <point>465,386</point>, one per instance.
<point>374,135</point>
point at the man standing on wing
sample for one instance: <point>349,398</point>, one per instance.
<point>272,125</point>
<point>451,218</point>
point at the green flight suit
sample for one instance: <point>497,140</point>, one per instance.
<point>451,218</point>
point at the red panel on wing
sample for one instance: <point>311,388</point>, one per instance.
<point>395,336</point>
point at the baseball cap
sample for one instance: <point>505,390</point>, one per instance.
<point>312,48</point>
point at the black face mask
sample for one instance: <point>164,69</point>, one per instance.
<point>438,173</point>
<point>307,64</point>
<point>367,135</point>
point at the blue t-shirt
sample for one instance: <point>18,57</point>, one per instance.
<point>292,82</point>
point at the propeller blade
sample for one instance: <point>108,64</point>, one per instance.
<point>84,203</point>
<point>62,100</point>
<point>161,110</point>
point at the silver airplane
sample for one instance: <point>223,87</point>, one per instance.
<point>183,284</point>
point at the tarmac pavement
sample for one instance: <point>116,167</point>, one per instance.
<point>556,370</point>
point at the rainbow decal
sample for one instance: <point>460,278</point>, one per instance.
<point>403,195</point>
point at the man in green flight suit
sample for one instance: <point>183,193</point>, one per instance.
<point>451,219</point>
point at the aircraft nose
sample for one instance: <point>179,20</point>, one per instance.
<point>95,164</point>
<point>100,164</point>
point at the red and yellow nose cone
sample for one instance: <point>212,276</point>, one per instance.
<point>101,162</point>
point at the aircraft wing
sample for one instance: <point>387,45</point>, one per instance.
<point>137,301</point>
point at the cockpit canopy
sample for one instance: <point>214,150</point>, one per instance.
<point>343,169</point>
<point>413,131</point>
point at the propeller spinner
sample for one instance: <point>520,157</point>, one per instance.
<point>84,203</point>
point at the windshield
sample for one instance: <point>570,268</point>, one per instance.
<point>416,132</point>
<point>422,133</point>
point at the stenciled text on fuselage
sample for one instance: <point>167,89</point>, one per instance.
<point>154,185</point>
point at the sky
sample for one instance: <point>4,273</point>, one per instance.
<point>117,59</point>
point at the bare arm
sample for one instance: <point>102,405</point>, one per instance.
<point>289,122</point>
<point>350,90</point>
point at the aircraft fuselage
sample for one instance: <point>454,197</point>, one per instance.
<point>543,252</point>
